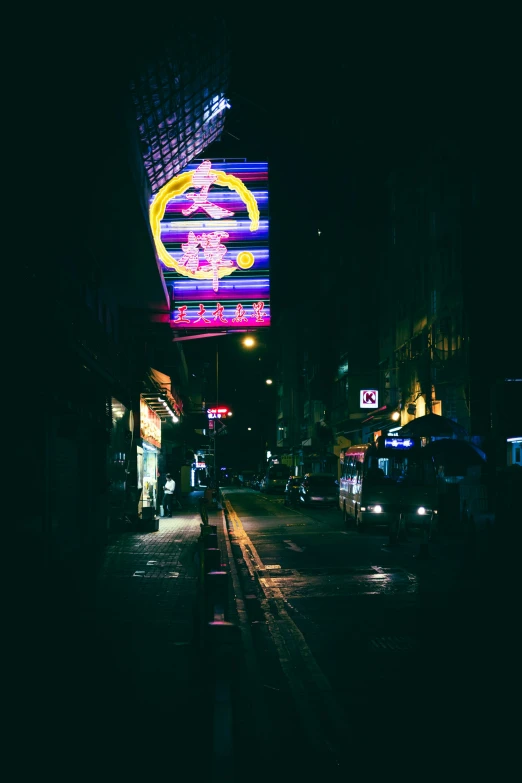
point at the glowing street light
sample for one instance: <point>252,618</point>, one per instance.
<point>269,381</point>
<point>396,415</point>
<point>249,429</point>
<point>249,342</point>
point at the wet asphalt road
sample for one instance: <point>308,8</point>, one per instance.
<point>367,655</point>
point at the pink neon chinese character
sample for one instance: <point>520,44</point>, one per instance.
<point>190,257</point>
<point>240,314</point>
<point>258,310</point>
<point>202,179</point>
<point>214,253</point>
<point>201,316</point>
<point>182,317</point>
<point>218,314</point>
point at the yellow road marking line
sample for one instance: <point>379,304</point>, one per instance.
<point>287,636</point>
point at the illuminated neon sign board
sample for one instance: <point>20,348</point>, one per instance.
<point>398,443</point>
<point>150,425</point>
<point>369,398</point>
<point>210,228</point>
<point>217,413</point>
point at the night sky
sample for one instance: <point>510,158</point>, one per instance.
<point>331,100</point>
<point>333,103</point>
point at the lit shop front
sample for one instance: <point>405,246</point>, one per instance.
<point>147,460</point>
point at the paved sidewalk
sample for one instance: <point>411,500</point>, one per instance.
<point>125,680</point>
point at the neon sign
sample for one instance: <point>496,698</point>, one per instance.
<point>210,228</point>
<point>150,425</point>
<point>217,413</point>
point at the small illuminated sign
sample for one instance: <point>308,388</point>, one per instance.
<point>398,443</point>
<point>217,413</point>
<point>369,398</point>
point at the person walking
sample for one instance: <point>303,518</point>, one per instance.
<point>168,495</point>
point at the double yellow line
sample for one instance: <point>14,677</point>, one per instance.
<point>304,676</point>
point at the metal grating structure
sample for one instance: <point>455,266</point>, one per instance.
<point>180,100</point>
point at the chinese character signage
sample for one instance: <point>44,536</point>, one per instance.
<point>150,425</point>
<point>217,413</point>
<point>210,226</point>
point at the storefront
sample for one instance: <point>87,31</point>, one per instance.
<point>198,472</point>
<point>147,452</point>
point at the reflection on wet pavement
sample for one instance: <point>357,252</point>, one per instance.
<point>314,583</point>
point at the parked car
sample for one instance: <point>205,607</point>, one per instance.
<point>319,489</point>
<point>292,490</point>
<point>246,477</point>
<point>275,479</point>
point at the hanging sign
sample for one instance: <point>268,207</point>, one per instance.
<point>369,398</point>
<point>210,227</point>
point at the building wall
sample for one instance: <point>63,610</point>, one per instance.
<point>424,337</point>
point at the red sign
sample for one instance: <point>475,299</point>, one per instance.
<point>217,413</point>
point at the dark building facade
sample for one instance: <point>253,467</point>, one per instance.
<point>116,125</point>
<point>448,321</point>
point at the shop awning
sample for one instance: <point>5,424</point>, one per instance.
<point>159,395</point>
<point>432,425</point>
<point>380,420</point>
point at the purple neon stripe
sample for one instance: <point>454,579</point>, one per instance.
<point>234,204</point>
<point>207,224</point>
<point>217,194</point>
<point>193,308</point>
<point>253,295</point>
<point>178,286</point>
<point>222,326</point>
<point>259,253</point>
<point>171,237</point>
<point>194,322</point>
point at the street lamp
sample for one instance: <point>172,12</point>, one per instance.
<point>249,342</point>
<point>396,415</point>
<point>269,381</point>
<point>249,429</point>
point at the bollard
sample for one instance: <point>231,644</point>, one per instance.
<point>208,530</point>
<point>402,530</point>
<point>203,511</point>
<point>212,558</point>
<point>424,546</point>
<point>216,595</point>
<point>211,541</point>
<point>393,531</point>
<point>223,648</point>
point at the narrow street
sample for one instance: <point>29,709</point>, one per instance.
<point>362,649</point>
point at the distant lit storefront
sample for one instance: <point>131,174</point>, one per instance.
<point>198,472</point>
<point>148,450</point>
<point>514,451</point>
<point>118,458</point>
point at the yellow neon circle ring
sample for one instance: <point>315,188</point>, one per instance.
<point>245,259</point>
<point>175,187</point>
